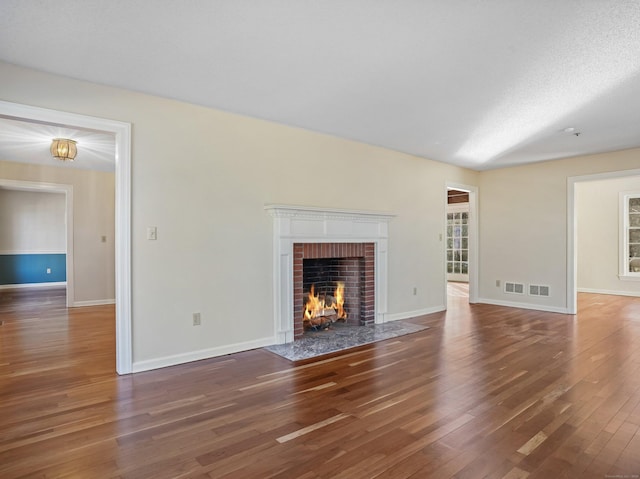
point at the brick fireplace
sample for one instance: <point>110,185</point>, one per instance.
<point>322,265</point>
<point>357,243</point>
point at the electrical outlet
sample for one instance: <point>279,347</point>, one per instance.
<point>197,320</point>
<point>497,283</point>
<point>415,291</point>
<point>48,270</point>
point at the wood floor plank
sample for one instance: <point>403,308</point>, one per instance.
<point>487,391</point>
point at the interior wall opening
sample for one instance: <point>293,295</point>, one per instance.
<point>460,243</point>
<point>122,134</point>
<point>578,240</point>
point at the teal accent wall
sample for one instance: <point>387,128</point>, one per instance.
<point>32,268</point>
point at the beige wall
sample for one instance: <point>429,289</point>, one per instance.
<point>523,225</point>
<point>93,217</point>
<point>598,233</point>
<point>32,222</point>
<point>203,176</point>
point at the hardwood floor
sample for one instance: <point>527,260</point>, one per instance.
<point>487,391</point>
<point>455,288</point>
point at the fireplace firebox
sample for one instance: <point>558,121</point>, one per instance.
<point>339,279</point>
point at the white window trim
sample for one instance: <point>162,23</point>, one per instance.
<point>623,273</point>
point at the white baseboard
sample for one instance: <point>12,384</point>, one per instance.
<point>412,314</point>
<point>605,291</point>
<point>513,304</point>
<point>94,302</point>
<point>175,359</point>
<point>32,285</point>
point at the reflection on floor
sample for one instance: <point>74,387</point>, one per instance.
<point>341,336</point>
<point>457,289</point>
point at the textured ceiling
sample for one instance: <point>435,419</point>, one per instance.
<point>481,84</point>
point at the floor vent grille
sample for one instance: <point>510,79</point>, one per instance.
<point>538,290</point>
<point>513,288</point>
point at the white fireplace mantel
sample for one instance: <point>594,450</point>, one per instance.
<point>303,224</point>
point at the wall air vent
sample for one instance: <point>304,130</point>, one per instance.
<point>513,288</point>
<point>538,290</point>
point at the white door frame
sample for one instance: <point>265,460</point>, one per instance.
<point>473,238</point>
<point>572,225</point>
<point>122,132</point>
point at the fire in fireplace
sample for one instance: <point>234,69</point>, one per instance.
<point>321,310</point>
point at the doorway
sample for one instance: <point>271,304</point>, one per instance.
<point>457,236</point>
<point>595,231</point>
<point>122,133</point>
<point>461,243</point>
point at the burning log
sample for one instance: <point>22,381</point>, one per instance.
<point>319,322</point>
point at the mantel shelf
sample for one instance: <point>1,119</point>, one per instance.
<point>288,211</point>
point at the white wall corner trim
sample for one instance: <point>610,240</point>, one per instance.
<point>537,307</point>
<point>182,358</point>
<point>308,224</point>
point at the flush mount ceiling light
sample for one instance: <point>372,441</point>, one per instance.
<point>63,149</point>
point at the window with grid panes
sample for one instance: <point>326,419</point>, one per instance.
<point>630,250</point>
<point>458,242</point>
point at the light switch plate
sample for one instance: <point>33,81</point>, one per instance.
<point>152,233</point>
